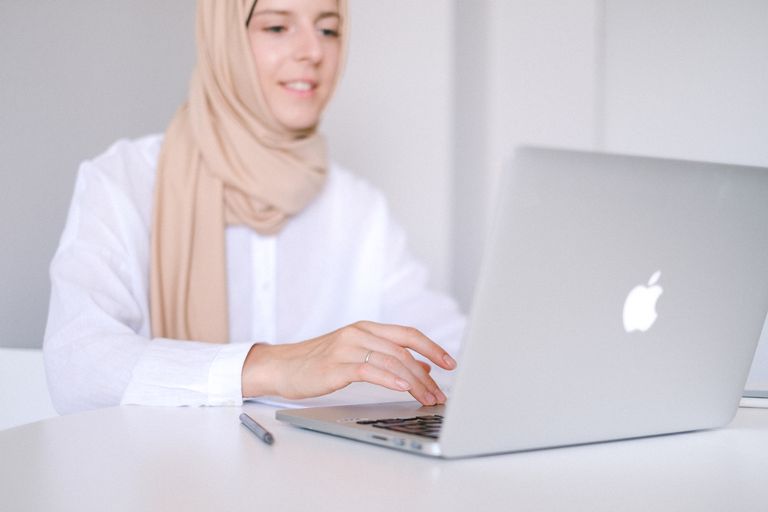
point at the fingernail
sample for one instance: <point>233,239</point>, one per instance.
<point>449,361</point>
<point>431,400</point>
<point>402,384</point>
<point>441,396</point>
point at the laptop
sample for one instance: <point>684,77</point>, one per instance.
<point>619,297</point>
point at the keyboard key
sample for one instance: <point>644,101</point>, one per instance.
<point>427,426</point>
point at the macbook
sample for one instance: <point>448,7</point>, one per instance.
<point>619,297</point>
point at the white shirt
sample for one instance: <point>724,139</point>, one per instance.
<point>343,259</point>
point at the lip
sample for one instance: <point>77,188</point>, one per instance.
<point>298,92</point>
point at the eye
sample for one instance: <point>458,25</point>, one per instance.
<point>329,32</point>
<point>274,29</point>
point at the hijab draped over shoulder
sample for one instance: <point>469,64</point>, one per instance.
<point>225,160</point>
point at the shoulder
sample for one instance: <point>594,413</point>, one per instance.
<point>127,162</point>
<point>122,177</point>
<point>116,187</point>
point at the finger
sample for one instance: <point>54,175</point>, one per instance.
<point>424,391</point>
<point>406,356</point>
<point>427,367</point>
<point>358,342</point>
<point>366,372</point>
<point>423,383</point>
<point>413,339</point>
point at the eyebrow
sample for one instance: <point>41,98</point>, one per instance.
<point>254,13</point>
<point>269,11</point>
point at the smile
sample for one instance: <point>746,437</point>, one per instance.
<point>299,85</point>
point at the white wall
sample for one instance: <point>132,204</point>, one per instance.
<point>391,119</point>
<point>23,389</point>
<point>688,79</point>
<point>74,77</point>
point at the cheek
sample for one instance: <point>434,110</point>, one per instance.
<point>265,60</point>
<point>332,56</point>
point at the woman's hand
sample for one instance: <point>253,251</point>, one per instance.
<point>361,352</point>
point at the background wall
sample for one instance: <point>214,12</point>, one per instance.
<point>74,77</point>
<point>436,95</point>
<point>391,119</point>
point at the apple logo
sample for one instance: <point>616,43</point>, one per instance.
<point>640,306</point>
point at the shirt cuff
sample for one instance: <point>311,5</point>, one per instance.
<point>225,375</point>
<point>177,373</point>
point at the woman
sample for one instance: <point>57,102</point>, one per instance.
<point>189,262</point>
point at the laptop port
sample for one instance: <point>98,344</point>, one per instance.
<point>379,438</point>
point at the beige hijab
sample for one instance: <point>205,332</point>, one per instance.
<point>225,160</point>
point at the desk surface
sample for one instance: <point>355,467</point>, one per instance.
<point>189,459</point>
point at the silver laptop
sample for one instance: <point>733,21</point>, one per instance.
<point>619,297</point>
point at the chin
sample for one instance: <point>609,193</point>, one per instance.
<point>300,125</point>
<point>299,117</point>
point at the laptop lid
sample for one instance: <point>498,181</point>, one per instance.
<point>619,297</point>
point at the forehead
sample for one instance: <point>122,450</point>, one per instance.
<point>297,6</point>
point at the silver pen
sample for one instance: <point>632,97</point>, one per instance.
<point>257,429</point>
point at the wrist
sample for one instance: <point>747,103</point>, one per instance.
<point>258,377</point>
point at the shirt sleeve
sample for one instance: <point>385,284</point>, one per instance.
<point>98,350</point>
<point>172,372</point>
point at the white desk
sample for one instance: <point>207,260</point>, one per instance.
<point>189,459</point>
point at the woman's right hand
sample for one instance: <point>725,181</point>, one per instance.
<point>360,352</point>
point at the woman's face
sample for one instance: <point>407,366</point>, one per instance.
<point>296,48</point>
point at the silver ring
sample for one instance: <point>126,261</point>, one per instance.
<point>368,356</point>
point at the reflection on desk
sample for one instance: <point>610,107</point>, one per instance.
<point>142,458</point>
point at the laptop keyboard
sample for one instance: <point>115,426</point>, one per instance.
<point>427,426</point>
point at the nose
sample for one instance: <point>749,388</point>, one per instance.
<point>308,45</point>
